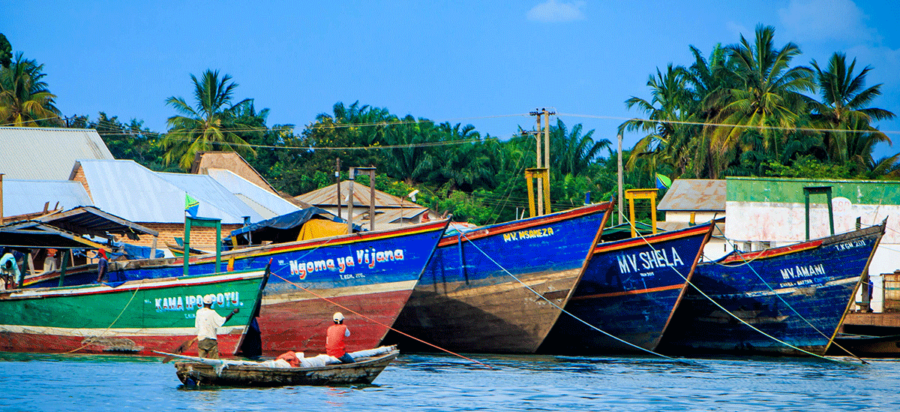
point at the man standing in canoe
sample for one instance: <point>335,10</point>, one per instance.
<point>206,322</point>
<point>334,342</point>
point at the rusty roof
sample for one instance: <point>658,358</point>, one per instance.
<point>694,195</point>
<point>232,161</point>
<point>327,196</point>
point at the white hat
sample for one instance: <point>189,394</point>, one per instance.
<point>208,300</point>
<point>338,317</point>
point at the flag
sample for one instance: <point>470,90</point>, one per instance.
<point>662,182</point>
<point>191,205</point>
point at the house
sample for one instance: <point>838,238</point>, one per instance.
<point>37,153</point>
<point>697,201</point>
<point>391,212</point>
<point>156,200</point>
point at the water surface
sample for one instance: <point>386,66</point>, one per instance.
<point>443,382</point>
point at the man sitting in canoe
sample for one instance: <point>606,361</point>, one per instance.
<point>334,342</point>
<point>206,322</point>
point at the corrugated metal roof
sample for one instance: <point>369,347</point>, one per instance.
<point>29,196</point>
<point>251,194</point>
<point>133,192</point>
<point>694,195</point>
<point>327,196</point>
<point>46,153</point>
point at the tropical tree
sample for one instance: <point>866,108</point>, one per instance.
<point>844,107</point>
<point>573,152</point>
<point>209,125</point>
<point>769,96</point>
<point>25,100</point>
<point>666,111</point>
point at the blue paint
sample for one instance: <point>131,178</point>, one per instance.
<point>375,261</point>
<point>628,292</point>
<point>817,283</point>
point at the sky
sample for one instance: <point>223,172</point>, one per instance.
<point>485,63</point>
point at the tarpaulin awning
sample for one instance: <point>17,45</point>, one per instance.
<point>284,228</point>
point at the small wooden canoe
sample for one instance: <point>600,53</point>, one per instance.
<point>365,370</point>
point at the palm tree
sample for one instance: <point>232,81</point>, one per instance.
<point>573,152</point>
<point>210,125</point>
<point>844,106</point>
<point>769,93</point>
<point>24,98</point>
<point>465,166</point>
<point>665,141</point>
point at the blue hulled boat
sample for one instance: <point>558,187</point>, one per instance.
<point>629,289</point>
<point>466,302</point>
<point>771,290</point>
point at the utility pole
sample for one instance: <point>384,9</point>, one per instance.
<point>547,148</point>
<point>621,183</point>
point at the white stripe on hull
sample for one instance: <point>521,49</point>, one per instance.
<point>115,332</point>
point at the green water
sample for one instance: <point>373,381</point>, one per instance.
<point>438,382</point>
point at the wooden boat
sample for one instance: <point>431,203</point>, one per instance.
<point>371,272</point>
<point>630,289</point>
<point>868,346</point>
<point>467,302</point>
<point>817,279</point>
<point>363,371</point>
<point>133,317</point>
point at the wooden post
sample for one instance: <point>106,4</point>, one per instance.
<point>372,200</point>
<point>352,179</point>
<point>153,247</point>
<point>621,185</point>
<point>63,266</point>
<point>1,199</point>
<point>530,186</point>
<point>634,194</point>
<point>337,179</point>
<point>187,244</point>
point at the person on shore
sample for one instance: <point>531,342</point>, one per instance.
<point>102,265</point>
<point>9,269</point>
<point>334,341</point>
<point>206,322</point>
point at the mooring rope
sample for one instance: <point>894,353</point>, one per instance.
<point>563,310</point>
<point>111,324</point>
<point>379,323</point>
<point>732,314</point>
<point>778,295</point>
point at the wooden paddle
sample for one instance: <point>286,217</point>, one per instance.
<point>184,346</point>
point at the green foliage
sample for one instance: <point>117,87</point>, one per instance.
<point>212,124</point>
<point>809,167</point>
<point>750,100</point>
<point>5,52</point>
<point>25,100</point>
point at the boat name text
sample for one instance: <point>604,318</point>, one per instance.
<point>179,303</point>
<point>528,234</point>
<point>367,257</point>
<point>802,271</point>
<point>648,260</point>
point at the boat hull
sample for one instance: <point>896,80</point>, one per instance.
<point>629,291</point>
<point>363,372</point>
<point>466,302</point>
<point>136,317</point>
<point>372,273</point>
<point>816,278</point>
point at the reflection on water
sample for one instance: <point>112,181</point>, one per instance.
<point>438,382</point>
